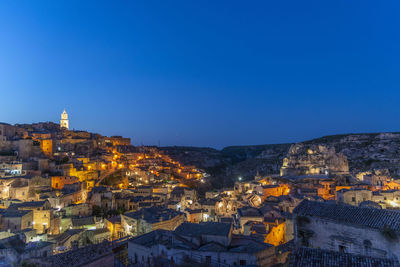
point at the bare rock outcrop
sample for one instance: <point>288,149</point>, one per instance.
<point>314,159</point>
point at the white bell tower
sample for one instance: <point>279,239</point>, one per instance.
<point>64,123</point>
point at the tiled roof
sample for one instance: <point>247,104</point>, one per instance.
<point>81,256</point>
<point>208,228</point>
<point>247,244</point>
<point>100,231</point>
<point>153,214</point>
<point>62,238</point>
<point>28,204</point>
<point>83,221</point>
<point>212,246</point>
<point>14,213</point>
<point>114,219</point>
<point>343,213</point>
<point>249,212</point>
<point>37,245</point>
<point>208,202</point>
<point>370,204</point>
<point>312,257</point>
<point>239,243</point>
<point>167,238</point>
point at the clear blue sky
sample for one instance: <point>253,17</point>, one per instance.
<point>203,73</point>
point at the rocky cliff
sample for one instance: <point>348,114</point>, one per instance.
<point>313,159</point>
<point>366,152</point>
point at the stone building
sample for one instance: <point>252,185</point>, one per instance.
<point>149,219</point>
<point>14,251</point>
<point>247,214</point>
<point>376,180</point>
<point>208,206</point>
<point>184,195</point>
<point>345,228</point>
<point>275,190</point>
<point>42,214</point>
<point>47,147</point>
<point>113,224</point>
<point>64,122</point>
<point>88,256</point>
<point>82,209</point>
<point>16,220</point>
<point>20,191</point>
<point>354,196</point>
<point>247,187</point>
<point>195,215</point>
<point>209,243</point>
<point>58,182</point>
<point>10,169</point>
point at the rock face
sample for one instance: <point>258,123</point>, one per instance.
<point>303,159</point>
<point>362,153</point>
<point>367,152</point>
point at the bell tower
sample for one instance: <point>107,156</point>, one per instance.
<point>64,123</point>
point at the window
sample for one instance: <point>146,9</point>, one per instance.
<point>242,262</point>
<point>384,198</point>
<point>353,199</point>
<point>208,259</point>
<point>342,249</point>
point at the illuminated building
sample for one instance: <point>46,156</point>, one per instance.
<point>64,122</point>
<point>47,147</point>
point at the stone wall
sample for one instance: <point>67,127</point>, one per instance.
<point>333,236</point>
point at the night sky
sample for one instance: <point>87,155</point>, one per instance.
<point>203,73</point>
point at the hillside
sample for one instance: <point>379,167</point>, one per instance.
<point>345,154</point>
